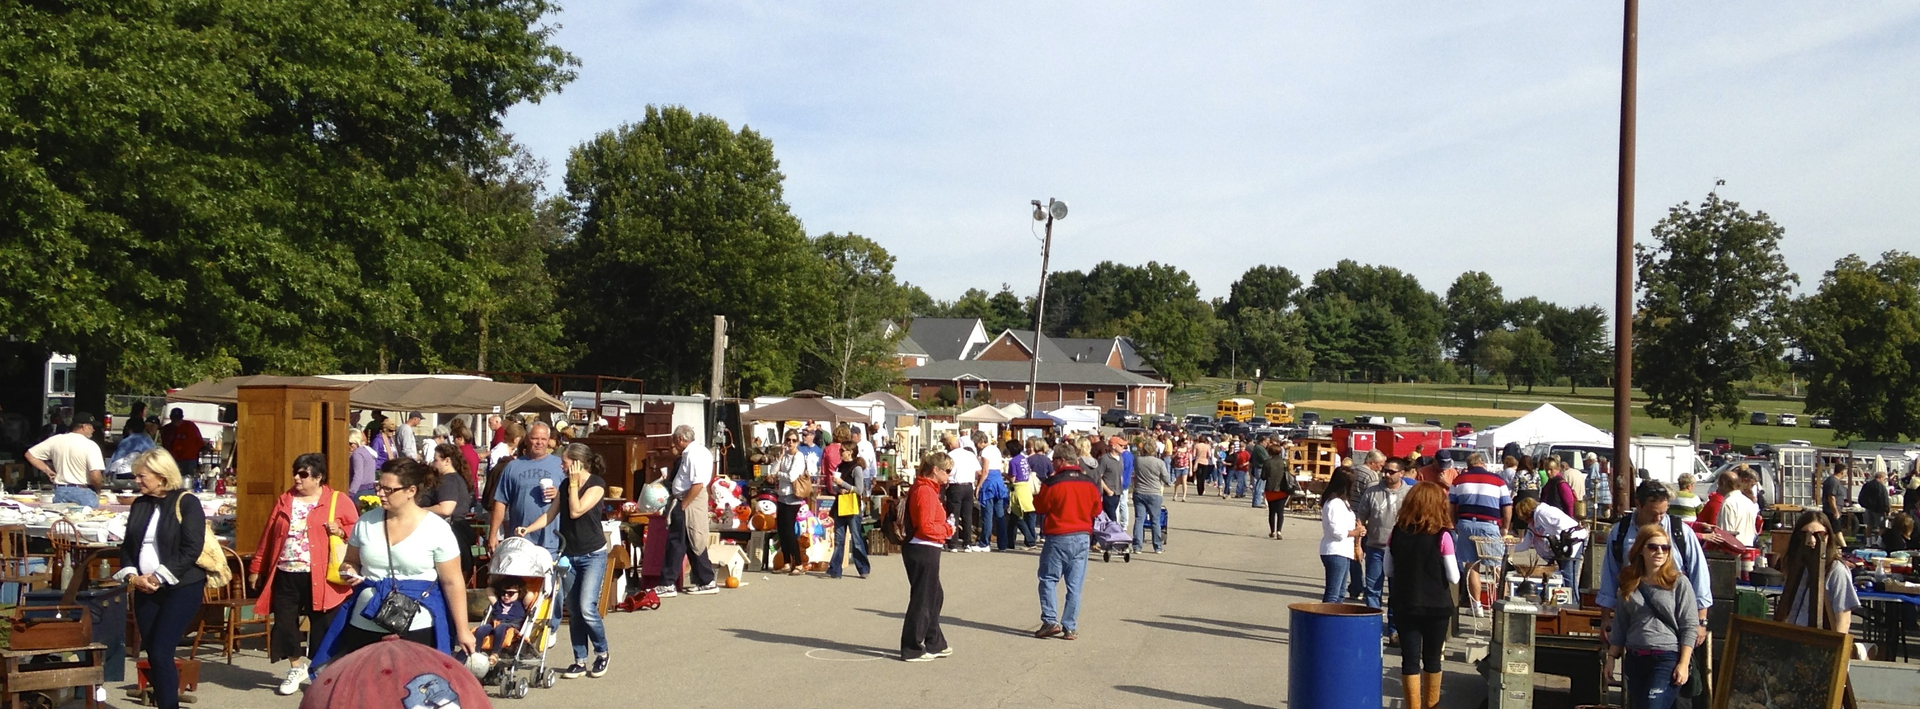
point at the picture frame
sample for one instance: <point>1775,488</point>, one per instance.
<point>1781,666</point>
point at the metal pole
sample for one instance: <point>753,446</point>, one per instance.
<point>1039,312</point>
<point>1623,469</point>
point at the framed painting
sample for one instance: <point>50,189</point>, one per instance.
<point>1769,665</point>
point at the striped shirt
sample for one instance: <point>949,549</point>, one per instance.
<point>1479,494</point>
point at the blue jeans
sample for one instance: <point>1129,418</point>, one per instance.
<point>561,576</point>
<point>1377,582</point>
<point>1063,556</point>
<point>993,524</point>
<point>842,548</point>
<point>77,494</point>
<point>1028,530</point>
<point>1337,569</point>
<point>1146,518</point>
<point>583,603</point>
<point>1236,483</point>
<point>1649,679</point>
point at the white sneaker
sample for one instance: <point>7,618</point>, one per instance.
<point>706,590</point>
<point>665,591</point>
<point>553,638</point>
<point>296,676</point>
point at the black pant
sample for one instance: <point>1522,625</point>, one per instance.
<point>959,503</point>
<point>921,632</point>
<point>699,569</point>
<point>293,600</point>
<point>1200,473</point>
<point>1110,504</point>
<point>1276,515</point>
<point>464,534</point>
<point>1424,634</point>
<point>789,516</point>
<point>353,638</point>
<point>163,617</point>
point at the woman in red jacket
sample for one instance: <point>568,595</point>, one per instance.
<point>920,638</point>
<point>290,564</point>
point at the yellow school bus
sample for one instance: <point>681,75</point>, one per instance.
<point>1240,409</point>
<point>1279,413</point>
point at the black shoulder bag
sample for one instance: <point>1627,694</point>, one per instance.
<point>397,610</point>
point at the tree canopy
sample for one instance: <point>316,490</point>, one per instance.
<point>1859,338</point>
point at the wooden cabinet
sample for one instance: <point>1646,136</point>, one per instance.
<point>277,424</point>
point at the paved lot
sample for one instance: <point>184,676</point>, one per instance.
<point>1204,624</point>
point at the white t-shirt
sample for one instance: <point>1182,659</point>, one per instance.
<point>994,460</point>
<point>1336,521</point>
<point>413,559</point>
<point>499,452</point>
<point>865,451</point>
<point>966,466</point>
<point>71,456</point>
<point>695,468</point>
<point>1739,514</point>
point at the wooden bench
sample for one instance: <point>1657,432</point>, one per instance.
<point>18,677</point>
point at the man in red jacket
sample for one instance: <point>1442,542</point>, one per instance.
<point>1069,503</point>
<point>920,638</point>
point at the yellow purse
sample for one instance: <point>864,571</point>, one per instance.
<point>846,504</point>
<point>336,548</point>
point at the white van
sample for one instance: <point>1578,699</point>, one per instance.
<point>1664,459</point>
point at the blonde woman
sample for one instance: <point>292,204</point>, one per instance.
<point>361,465</point>
<point>165,529</point>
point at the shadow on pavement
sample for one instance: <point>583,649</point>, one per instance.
<point>1155,559</point>
<point>1229,624</point>
<point>1206,630</point>
<point>1258,589</point>
<point>1220,702</point>
<point>230,676</point>
<point>958,622</point>
<point>809,643</point>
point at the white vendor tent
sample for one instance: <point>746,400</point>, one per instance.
<point>1076,418</point>
<point>1014,411</point>
<point>1547,424</point>
<point>984,413</point>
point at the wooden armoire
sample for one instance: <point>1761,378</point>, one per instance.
<point>276,424</point>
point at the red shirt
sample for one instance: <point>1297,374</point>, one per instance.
<point>1710,512</point>
<point>926,517</point>
<point>1070,501</point>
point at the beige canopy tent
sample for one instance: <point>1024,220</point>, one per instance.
<point>806,405</point>
<point>445,395</point>
<point>984,413</point>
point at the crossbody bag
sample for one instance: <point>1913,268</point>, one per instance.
<point>397,610</point>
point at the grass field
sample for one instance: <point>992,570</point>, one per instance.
<point>1479,404</point>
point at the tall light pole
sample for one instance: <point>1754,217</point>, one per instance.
<point>1622,471</point>
<point>1055,209</point>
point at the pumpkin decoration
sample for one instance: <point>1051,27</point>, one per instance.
<point>733,582</point>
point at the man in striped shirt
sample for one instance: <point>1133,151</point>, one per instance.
<point>1482,507</point>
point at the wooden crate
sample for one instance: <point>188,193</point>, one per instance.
<point>1579,622</point>
<point>1546,625</point>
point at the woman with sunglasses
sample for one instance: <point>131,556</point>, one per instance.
<point>399,549</point>
<point>291,561</point>
<point>1819,589</point>
<point>1654,623</point>
<point>793,465</point>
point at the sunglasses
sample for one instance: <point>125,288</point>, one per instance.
<point>303,474</point>
<point>1660,548</point>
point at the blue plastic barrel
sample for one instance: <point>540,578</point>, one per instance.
<point>1333,660</point>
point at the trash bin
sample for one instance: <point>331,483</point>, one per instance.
<point>1333,661</point>
<point>107,608</point>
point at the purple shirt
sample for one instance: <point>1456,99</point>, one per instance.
<point>360,471</point>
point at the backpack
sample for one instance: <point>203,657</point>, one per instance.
<point>893,524</point>
<point>1616,546</point>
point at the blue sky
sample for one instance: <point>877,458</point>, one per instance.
<point>1435,137</point>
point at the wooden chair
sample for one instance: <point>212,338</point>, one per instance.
<point>17,565</point>
<point>68,550</point>
<point>227,607</point>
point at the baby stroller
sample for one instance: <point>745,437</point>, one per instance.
<point>1112,538</point>
<point>534,565</point>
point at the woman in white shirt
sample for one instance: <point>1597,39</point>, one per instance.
<point>1338,530</point>
<point>399,548</point>
<point>793,465</point>
<point>165,530</point>
<point>1541,524</point>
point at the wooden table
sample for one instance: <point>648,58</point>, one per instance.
<point>17,677</point>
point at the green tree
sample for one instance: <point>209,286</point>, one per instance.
<point>854,353</point>
<point>1272,343</point>
<point>1330,330</point>
<point>1380,343</point>
<point>1066,290</point>
<point>1529,357</point>
<point>197,189</point>
<point>1007,311</point>
<point>1114,292</point>
<point>1581,352</point>
<point>1176,338</point>
<point>1269,287</point>
<point>1418,310</point>
<point>1474,307</point>
<point>1713,288</point>
<point>1859,338</point>
<point>682,218</point>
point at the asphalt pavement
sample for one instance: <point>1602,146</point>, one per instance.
<point>1203,624</point>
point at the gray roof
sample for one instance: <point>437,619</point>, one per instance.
<point>1049,350</point>
<point>907,346</point>
<point>1085,349</point>
<point>1050,373</point>
<point>942,338</point>
<point>1131,360</point>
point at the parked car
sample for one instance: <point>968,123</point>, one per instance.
<point>1119,417</point>
<point>1200,429</point>
<point>1310,418</point>
<point>1338,420</point>
<point>1722,446</point>
<point>1757,418</point>
<point>1787,419</point>
<point>1161,422</point>
<point>1194,419</point>
<point>1234,428</point>
<point>1822,422</point>
<point>1462,428</point>
<point>1433,422</point>
<point>1258,422</point>
<point>1762,449</point>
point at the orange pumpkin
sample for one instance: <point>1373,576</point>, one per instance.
<point>733,582</point>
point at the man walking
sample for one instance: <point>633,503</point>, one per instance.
<point>1367,474</point>
<point>1482,506</point>
<point>1378,508</point>
<point>959,492</point>
<point>73,462</point>
<point>1874,498</point>
<point>1149,482</point>
<point>1069,503</point>
<point>687,518</point>
<point>1202,465</point>
<point>1257,470</point>
<point>405,436</point>
<point>526,490</point>
<point>181,438</point>
<point>1112,473</point>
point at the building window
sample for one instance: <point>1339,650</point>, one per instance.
<point>1089,396</point>
<point>914,392</point>
<point>1151,401</point>
<point>967,391</point>
<point>1120,399</point>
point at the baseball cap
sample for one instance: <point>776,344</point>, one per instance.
<point>395,674</point>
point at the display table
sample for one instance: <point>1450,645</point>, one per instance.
<point>18,676</point>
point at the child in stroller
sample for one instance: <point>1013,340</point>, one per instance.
<point>503,617</point>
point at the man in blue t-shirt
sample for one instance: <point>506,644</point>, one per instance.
<point>526,489</point>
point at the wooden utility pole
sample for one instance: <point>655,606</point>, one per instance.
<point>1623,468</point>
<point>719,360</point>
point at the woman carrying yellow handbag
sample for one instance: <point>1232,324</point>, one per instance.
<point>297,565</point>
<point>848,480</point>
